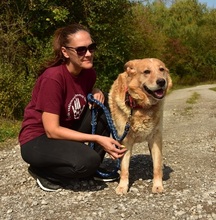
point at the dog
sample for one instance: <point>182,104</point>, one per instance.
<point>137,97</point>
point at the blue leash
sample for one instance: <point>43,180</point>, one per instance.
<point>111,126</point>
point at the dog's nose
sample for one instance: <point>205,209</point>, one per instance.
<point>161,82</point>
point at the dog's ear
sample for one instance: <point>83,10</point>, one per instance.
<point>129,67</point>
<point>170,84</point>
<point>169,80</point>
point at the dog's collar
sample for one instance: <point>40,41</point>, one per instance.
<point>130,101</point>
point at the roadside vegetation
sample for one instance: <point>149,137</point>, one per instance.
<point>191,100</point>
<point>181,33</point>
<point>213,89</point>
<point>9,129</point>
<point>194,98</point>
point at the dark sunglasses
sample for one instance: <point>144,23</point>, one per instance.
<point>81,51</point>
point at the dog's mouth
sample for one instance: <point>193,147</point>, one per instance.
<point>158,94</point>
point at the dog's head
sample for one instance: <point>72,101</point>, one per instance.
<point>148,76</point>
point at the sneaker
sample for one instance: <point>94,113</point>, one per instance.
<point>105,176</point>
<point>44,183</point>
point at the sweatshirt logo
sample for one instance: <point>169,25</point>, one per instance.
<point>76,106</point>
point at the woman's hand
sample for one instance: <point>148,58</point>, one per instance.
<point>98,95</point>
<point>111,146</point>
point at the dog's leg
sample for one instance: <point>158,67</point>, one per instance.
<point>122,188</point>
<point>156,152</point>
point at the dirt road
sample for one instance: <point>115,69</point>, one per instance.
<point>189,174</point>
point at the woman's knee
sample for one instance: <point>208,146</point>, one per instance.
<point>82,168</point>
<point>88,166</point>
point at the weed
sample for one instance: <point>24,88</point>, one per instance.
<point>9,129</point>
<point>193,99</point>
<point>213,89</point>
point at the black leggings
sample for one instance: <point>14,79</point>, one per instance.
<point>57,159</point>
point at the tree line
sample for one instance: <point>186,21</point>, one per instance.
<point>181,33</point>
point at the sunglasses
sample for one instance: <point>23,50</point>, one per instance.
<point>81,51</point>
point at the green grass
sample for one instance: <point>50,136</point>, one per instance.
<point>193,99</point>
<point>183,86</point>
<point>214,89</point>
<point>9,129</point>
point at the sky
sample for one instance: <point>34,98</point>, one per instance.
<point>210,3</point>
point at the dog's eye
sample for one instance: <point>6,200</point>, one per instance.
<point>147,71</point>
<point>161,69</point>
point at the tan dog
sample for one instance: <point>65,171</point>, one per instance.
<point>137,97</point>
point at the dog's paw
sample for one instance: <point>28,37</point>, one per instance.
<point>121,190</point>
<point>157,189</point>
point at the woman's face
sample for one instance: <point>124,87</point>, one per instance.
<point>78,57</point>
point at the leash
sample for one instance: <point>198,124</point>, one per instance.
<point>113,130</point>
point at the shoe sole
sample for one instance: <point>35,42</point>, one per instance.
<point>39,183</point>
<point>105,180</point>
<point>44,188</point>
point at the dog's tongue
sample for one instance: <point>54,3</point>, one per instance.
<point>159,93</point>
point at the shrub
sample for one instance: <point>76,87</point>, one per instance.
<point>15,91</point>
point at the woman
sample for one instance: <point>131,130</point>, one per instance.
<point>57,120</point>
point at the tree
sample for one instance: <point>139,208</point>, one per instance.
<point>24,43</point>
<point>180,32</point>
<point>187,34</point>
<point>107,20</point>
<point>26,32</point>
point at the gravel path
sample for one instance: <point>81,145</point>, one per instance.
<point>189,175</point>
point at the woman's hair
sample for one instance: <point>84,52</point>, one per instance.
<point>61,38</point>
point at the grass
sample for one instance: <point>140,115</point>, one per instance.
<point>214,89</point>
<point>183,86</point>
<point>9,129</point>
<point>193,99</point>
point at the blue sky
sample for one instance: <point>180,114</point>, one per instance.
<point>210,3</point>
